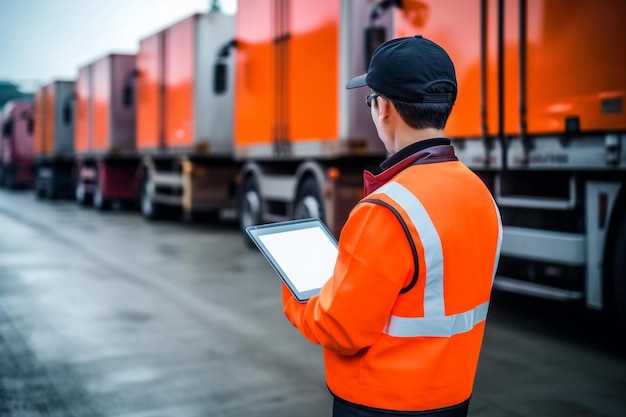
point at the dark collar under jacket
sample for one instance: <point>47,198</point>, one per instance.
<point>423,152</point>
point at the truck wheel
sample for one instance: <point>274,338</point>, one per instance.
<point>80,193</point>
<point>250,208</point>
<point>309,202</point>
<point>619,270</point>
<point>149,209</point>
<point>39,187</point>
<point>9,179</point>
<point>99,202</point>
<point>51,186</point>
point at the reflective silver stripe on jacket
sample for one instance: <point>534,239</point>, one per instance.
<point>442,326</point>
<point>435,323</point>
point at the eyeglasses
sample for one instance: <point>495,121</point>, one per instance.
<point>370,97</point>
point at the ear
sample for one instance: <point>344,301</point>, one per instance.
<point>384,107</point>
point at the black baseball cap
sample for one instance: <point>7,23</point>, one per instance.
<point>403,69</point>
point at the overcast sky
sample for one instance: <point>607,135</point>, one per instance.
<point>44,40</point>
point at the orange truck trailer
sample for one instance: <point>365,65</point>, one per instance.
<point>104,132</point>
<point>54,139</point>
<point>16,144</point>
<point>539,116</point>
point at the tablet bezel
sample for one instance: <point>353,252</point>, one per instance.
<point>255,232</point>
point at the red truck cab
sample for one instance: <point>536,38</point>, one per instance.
<point>16,146</point>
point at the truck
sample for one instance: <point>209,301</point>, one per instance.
<point>16,144</point>
<point>105,157</point>
<point>214,129</point>
<point>183,131</point>
<point>539,117</point>
<point>54,140</point>
<point>303,139</point>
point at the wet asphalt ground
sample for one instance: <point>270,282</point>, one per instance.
<point>105,314</point>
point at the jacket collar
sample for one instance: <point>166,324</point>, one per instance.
<point>422,152</point>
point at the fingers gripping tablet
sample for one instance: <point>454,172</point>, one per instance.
<point>303,253</point>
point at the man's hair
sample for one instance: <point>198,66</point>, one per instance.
<point>425,115</point>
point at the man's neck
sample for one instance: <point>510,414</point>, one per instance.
<point>406,137</point>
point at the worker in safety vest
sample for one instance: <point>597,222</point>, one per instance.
<point>402,318</point>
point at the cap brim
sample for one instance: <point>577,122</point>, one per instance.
<point>357,82</point>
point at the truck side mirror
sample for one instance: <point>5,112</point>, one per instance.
<point>128,92</point>
<point>220,71</point>
<point>374,37</point>
<point>67,112</point>
<point>7,128</point>
<point>128,96</point>
<point>220,78</point>
<point>31,125</point>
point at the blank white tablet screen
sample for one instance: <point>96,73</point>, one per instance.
<point>307,256</point>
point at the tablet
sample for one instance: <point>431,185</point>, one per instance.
<point>303,253</point>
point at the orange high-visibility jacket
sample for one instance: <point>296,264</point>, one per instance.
<point>402,318</point>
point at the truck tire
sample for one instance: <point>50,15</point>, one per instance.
<point>149,209</point>
<point>52,192</point>
<point>99,202</point>
<point>39,187</point>
<point>10,181</point>
<point>618,268</point>
<point>8,178</point>
<point>309,201</point>
<point>80,193</point>
<point>250,208</point>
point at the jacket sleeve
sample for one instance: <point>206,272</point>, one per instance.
<point>374,263</point>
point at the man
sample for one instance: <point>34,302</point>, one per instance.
<point>402,318</point>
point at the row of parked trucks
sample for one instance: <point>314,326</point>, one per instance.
<point>248,114</point>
